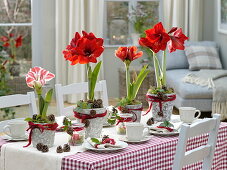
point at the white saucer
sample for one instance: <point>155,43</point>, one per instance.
<point>8,138</point>
<point>146,138</point>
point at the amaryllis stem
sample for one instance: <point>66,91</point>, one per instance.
<point>127,80</point>
<point>157,73</point>
<point>164,68</point>
<point>90,95</point>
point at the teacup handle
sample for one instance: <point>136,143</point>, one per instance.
<point>146,132</point>
<point>198,114</point>
<point>6,130</point>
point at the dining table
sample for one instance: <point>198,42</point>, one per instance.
<point>155,154</point>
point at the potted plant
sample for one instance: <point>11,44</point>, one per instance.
<point>86,49</point>
<point>12,43</point>
<point>161,97</point>
<point>42,127</point>
<point>129,104</point>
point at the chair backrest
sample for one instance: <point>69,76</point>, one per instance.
<point>20,99</point>
<point>204,152</point>
<point>76,88</point>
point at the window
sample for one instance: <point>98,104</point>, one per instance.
<point>15,18</point>
<point>124,18</point>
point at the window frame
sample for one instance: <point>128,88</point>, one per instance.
<point>132,4</point>
<point>26,24</point>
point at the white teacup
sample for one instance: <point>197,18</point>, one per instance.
<point>135,131</point>
<point>15,129</point>
<point>187,114</point>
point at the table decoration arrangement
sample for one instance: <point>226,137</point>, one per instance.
<point>76,132</point>
<point>128,104</point>
<point>161,97</point>
<point>85,49</point>
<point>42,127</point>
<point>104,144</point>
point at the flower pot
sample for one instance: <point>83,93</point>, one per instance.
<point>14,69</point>
<point>96,122</point>
<point>46,137</point>
<point>136,110</point>
<point>161,110</point>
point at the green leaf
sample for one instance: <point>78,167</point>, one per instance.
<point>48,96</point>
<point>95,140</point>
<point>28,119</point>
<point>93,80</point>
<point>136,85</point>
<point>111,121</point>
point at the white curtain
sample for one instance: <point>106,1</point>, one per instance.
<point>74,16</point>
<point>187,14</point>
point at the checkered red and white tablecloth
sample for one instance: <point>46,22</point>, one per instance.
<point>157,154</point>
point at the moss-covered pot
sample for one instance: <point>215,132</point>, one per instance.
<point>166,109</point>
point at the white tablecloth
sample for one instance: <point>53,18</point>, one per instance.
<point>15,157</point>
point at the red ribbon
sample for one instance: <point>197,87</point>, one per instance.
<point>132,111</point>
<point>152,99</point>
<point>85,116</point>
<point>167,128</point>
<point>41,127</point>
<point>124,119</point>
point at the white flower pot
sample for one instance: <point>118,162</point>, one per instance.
<point>96,124</point>
<point>167,109</point>
<point>46,137</point>
<point>136,113</point>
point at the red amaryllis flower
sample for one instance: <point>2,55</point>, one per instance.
<point>156,38</point>
<point>38,76</point>
<point>128,53</point>
<point>84,49</point>
<point>176,40</point>
<point>18,41</point>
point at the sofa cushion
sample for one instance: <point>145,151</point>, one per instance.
<point>178,59</point>
<point>186,90</point>
<point>202,57</point>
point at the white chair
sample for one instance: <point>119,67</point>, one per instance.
<point>17,100</point>
<point>205,152</point>
<point>76,88</point>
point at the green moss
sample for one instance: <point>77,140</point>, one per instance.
<point>156,90</point>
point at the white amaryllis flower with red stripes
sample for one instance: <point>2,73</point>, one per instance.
<point>37,76</point>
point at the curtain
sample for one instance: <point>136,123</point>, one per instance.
<point>187,14</point>
<point>74,16</point>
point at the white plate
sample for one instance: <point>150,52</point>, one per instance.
<point>120,143</point>
<point>8,138</point>
<point>163,133</point>
<point>146,138</point>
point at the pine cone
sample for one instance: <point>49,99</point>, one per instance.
<point>150,121</point>
<point>51,118</point>
<point>34,116</point>
<point>160,95</point>
<point>92,113</point>
<point>124,110</point>
<point>45,148</point>
<point>65,120</point>
<point>99,101</point>
<point>59,149</point>
<point>86,123</point>
<point>96,105</point>
<point>164,88</point>
<point>39,146</point>
<point>105,137</point>
<point>160,114</point>
<point>66,148</point>
<point>164,97</point>
<point>70,131</point>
